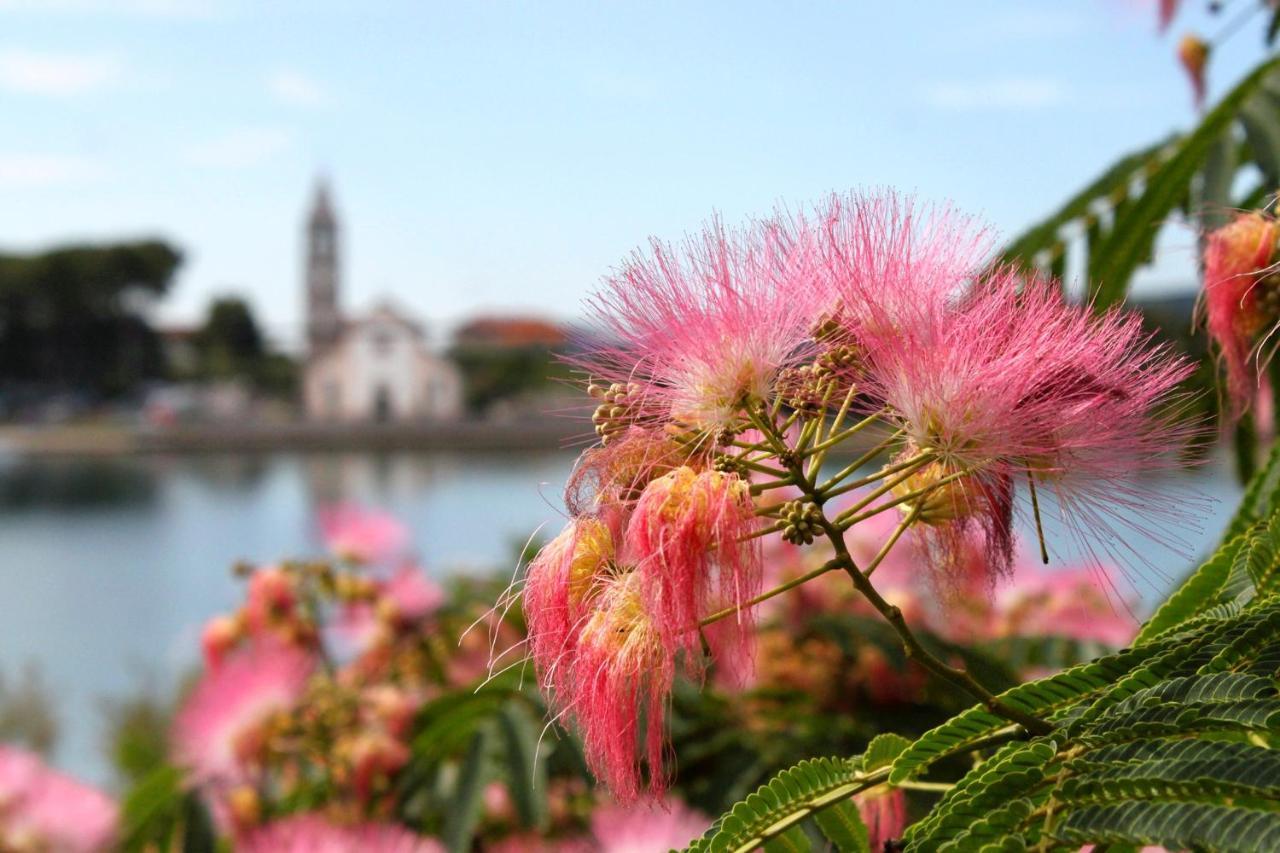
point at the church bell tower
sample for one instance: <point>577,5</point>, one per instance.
<point>324,317</point>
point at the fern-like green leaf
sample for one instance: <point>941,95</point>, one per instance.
<point>1178,826</point>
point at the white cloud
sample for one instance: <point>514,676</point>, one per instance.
<point>294,87</point>
<point>1005,93</point>
<point>239,149</point>
<point>57,74</point>
<point>44,170</point>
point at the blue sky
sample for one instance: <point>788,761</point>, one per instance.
<point>502,155</point>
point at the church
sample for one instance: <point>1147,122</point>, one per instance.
<point>369,368</point>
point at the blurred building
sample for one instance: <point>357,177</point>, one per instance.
<point>372,367</point>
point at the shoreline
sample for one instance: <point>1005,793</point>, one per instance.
<point>116,440</point>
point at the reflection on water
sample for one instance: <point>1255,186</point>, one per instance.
<point>112,565</point>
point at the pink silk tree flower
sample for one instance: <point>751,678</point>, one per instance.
<point>362,536</point>
<point>647,827</point>
<point>1014,385</point>
<point>217,731</point>
<point>699,329</point>
<point>884,811</point>
<point>41,809</point>
<point>689,532</point>
<point>313,833</point>
<point>1238,303</point>
<point>557,591</point>
<point>1193,53</point>
<point>883,256</point>
<point>621,682</point>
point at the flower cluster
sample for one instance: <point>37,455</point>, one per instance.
<point>312,685</point>
<point>740,361</point>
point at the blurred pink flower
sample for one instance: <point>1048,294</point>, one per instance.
<point>884,811</point>
<point>647,827</point>
<point>45,810</point>
<point>1079,602</point>
<point>216,724</point>
<point>412,593</point>
<point>1236,258</point>
<point>362,536</point>
<point>311,833</point>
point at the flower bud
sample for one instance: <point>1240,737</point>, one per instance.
<point>220,635</point>
<point>1193,53</point>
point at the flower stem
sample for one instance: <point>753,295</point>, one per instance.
<point>852,516</point>
<point>777,590</point>
<point>911,645</point>
<point>832,486</point>
<point>915,651</point>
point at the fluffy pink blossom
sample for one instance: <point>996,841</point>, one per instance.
<point>312,833</point>
<point>1236,256</point>
<point>701,327</point>
<point>884,255</point>
<point>622,676</point>
<point>689,533</point>
<point>46,810</point>
<point>647,827</point>
<point>215,731</point>
<point>362,536</point>
<point>1015,383</point>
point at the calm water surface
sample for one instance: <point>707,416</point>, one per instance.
<point>111,566</point>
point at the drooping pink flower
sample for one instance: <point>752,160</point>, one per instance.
<point>41,809</point>
<point>690,533</point>
<point>700,328</point>
<point>884,812</point>
<point>1013,383</point>
<point>1193,53</point>
<point>361,535</point>
<point>216,731</point>
<point>647,827</point>
<point>617,695</point>
<point>1168,11</point>
<point>313,833</point>
<point>557,591</point>
<point>1236,258</point>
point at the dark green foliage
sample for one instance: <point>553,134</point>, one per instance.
<point>491,374</point>
<point>72,318</point>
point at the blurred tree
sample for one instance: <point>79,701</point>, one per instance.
<point>231,343</point>
<point>74,318</point>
